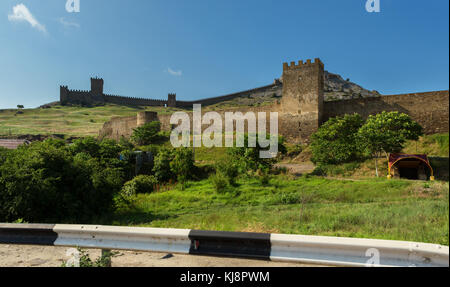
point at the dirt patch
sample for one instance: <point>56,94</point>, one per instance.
<point>297,169</point>
<point>50,256</point>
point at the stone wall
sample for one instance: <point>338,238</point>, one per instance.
<point>123,126</point>
<point>430,109</point>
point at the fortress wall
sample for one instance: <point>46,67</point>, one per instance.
<point>118,127</point>
<point>78,97</point>
<point>430,109</point>
<point>215,100</point>
<point>166,126</point>
<point>133,101</point>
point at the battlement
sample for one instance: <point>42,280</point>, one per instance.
<point>78,91</point>
<point>301,64</point>
<point>132,98</point>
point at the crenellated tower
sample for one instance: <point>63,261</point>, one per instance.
<point>303,96</point>
<point>97,86</point>
<point>63,94</point>
<point>172,101</point>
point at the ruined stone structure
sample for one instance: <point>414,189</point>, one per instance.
<point>302,108</point>
<point>123,126</point>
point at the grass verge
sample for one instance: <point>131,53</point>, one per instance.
<point>375,208</point>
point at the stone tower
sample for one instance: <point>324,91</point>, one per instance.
<point>172,101</point>
<point>302,101</point>
<point>63,94</point>
<point>97,86</point>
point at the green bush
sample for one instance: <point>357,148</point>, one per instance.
<point>220,183</point>
<point>227,169</point>
<point>161,165</point>
<point>146,134</point>
<point>182,165</point>
<point>336,141</point>
<point>249,158</point>
<point>45,182</point>
<point>3,154</point>
<point>139,184</point>
<point>264,179</point>
<point>174,164</point>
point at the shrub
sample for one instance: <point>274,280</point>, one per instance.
<point>264,179</point>
<point>46,182</point>
<point>336,140</point>
<point>295,150</point>
<point>227,169</point>
<point>3,154</point>
<point>249,158</point>
<point>161,166</point>
<point>182,165</point>
<point>220,183</point>
<point>174,164</point>
<point>139,184</point>
<point>146,134</point>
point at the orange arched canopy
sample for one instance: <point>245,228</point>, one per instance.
<point>396,157</point>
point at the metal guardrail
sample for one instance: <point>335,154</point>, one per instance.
<point>333,251</point>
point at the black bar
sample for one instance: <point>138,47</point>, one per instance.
<point>230,244</point>
<point>32,234</point>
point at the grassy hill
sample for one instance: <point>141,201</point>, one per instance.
<point>70,121</point>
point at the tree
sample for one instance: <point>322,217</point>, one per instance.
<point>161,166</point>
<point>249,158</point>
<point>182,165</point>
<point>146,134</point>
<point>45,182</point>
<point>387,132</point>
<point>336,141</point>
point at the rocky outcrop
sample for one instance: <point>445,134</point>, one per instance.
<point>336,88</point>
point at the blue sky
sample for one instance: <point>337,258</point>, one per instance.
<point>205,48</point>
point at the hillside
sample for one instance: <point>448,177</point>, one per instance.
<point>335,88</point>
<point>68,121</point>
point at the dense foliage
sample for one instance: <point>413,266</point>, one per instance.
<point>336,140</point>
<point>249,158</point>
<point>139,184</point>
<point>146,134</point>
<point>349,138</point>
<point>174,164</point>
<point>388,132</point>
<point>51,181</point>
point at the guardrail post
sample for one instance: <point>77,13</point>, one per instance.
<point>106,257</point>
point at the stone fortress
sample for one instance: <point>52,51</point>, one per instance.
<point>305,101</point>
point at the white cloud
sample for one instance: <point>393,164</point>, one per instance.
<point>21,13</point>
<point>174,73</point>
<point>68,24</point>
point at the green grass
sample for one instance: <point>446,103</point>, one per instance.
<point>432,145</point>
<point>70,121</point>
<point>385,209</point>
